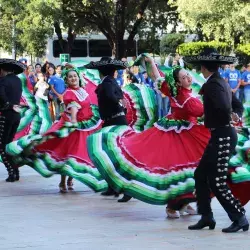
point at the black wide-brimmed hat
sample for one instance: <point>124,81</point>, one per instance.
<point>107,63</point>
<point>210,55</point>
<point>12,65</point>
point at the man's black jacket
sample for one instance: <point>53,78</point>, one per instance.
<point>109,95</point>
<point>219,102</point>
<point>10,91</point>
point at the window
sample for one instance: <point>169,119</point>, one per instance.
<point>79,48</point>
<point>98,48</point>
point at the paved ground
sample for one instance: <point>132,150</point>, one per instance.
<point>33,215</point>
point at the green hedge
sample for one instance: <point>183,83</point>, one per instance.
<point>243,53</point>
<point>194,48</point>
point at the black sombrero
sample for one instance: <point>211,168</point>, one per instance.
<point>210,55</point>
<point>12,65</point>
<point>107,62</point>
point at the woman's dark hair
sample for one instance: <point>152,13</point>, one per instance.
<point>70,70</point>
<point>44,67</point>
<point>51,65</point>
<point>38,64</point>
<point>176,74</point>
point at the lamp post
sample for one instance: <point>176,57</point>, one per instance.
<point>88,38</point>
<point>136,44</point>
<point>116,2</point>
<point>14,39</point>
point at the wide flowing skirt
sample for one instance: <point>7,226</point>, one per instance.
<point>61,150</point>
<point>155,166</point>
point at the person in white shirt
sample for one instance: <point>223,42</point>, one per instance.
<point>42,87</point>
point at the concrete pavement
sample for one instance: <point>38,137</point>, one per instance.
<point>33,215</point>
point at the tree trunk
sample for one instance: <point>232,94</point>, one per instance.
<point>58,31</point>
<point>137,23</point>
<point>120,28</point>
<point>71,39</point>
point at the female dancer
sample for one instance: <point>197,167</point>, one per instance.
<point>62,149</point>
<point>157,165</point>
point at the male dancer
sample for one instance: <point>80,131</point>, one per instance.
<point>219,107</point>
<point>10,95</point>
<point>110,98</point>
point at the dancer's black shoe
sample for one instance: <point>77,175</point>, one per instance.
<point>11,178</point>
<point>205,221</point>
<point>242,223</point>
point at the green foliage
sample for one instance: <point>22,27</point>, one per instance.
<point>243,53</point>
<point>170,42</point>
<point>36,20</point>
<point>218,20</point>
<point>194,48</point>
<point>10,12</point>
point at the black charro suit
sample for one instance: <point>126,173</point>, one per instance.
<point>211,174</point>
<point>10,94</point>
<point>109,95</point>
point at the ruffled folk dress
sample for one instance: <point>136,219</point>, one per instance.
<point>35,115</point>
<point>63,148</point>
<point>140,103</point>
<point>141,106</point>
<point>156,166</point>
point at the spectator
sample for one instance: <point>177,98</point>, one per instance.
<point>226,67</point>
<point>32,76</point>
<point>179,60</point>
<point>241,89</point>
<point>147,80</point>
<point>174,63</point>
<point>233,78</point>
<point>51,71</point>
<point>118,78</point>
<point>168,61</point>
<point>137,74</point>
<point>246,83</point>
<point>163,105</point>
<point>23,61</point>
<point>58,87</point>
<point>45,68</point>
<point>41,88</point>
<point>223,70</point>
<point>131,78</point>
<point>38,68</point>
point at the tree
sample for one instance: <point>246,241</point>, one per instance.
<point>243,53</point>
<point>9,15</point>
<point>160,18</point>
<point>118,20</point>
<point>219,20</point>
<point>170,42</point>
<point>41,20</point>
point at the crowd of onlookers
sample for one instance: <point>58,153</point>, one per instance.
<point>45,82</point>
<point>238,79</point>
